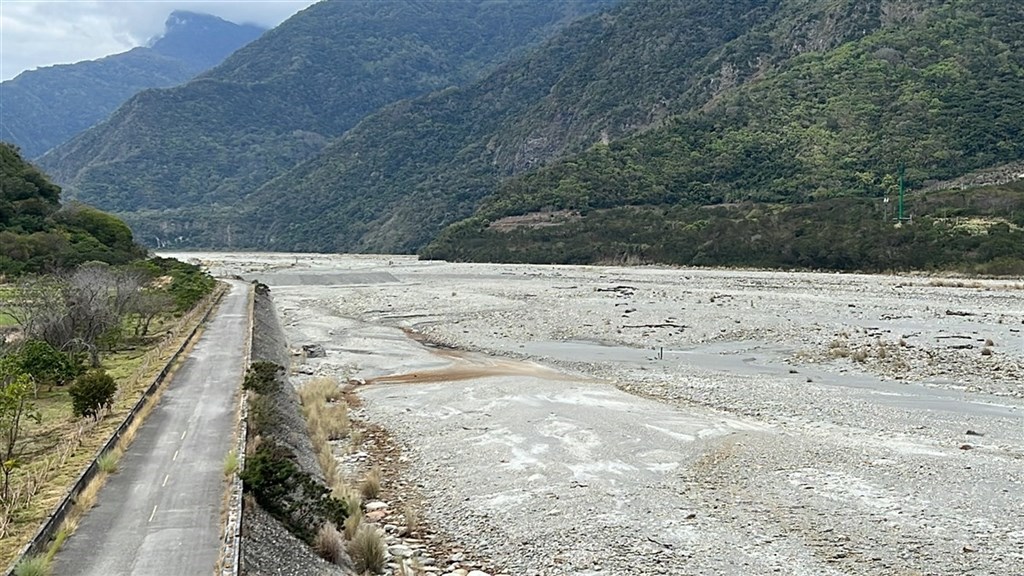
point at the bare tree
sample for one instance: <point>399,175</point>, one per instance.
<point>74,310</point>
<point>147,307</point>
<point>37,304</point>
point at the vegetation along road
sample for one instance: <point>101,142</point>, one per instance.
<point>161,513</point>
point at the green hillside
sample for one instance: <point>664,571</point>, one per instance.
<point>39,235</point>
<point>282,98</point>
<point>942,94</point>
<point>46,107</point>
<point>391,183</point>
<point>978,231</point>
<point>700,103</point>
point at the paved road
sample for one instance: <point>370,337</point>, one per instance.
<point>160,514</point>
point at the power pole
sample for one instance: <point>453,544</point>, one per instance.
<point>899,217</point>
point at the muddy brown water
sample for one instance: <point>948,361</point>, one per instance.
<point>471,366</point>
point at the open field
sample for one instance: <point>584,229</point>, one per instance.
<point>664,421</point>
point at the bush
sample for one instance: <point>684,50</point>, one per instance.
<point>262,377</point>
<point>189,282</point>
<point>261,414</point>
<point>91,392</point>
<point>292,496</point>
<point>46,364</point>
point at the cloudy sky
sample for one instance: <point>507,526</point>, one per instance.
<point>36,33</point>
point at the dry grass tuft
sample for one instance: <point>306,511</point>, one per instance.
<point>355,440</point>
<point>321,389</point>
<point>352,523</point>
<point>330,544</point>
<point>87,497</point>
<point>352,499</point>
<point>368,550</point>
<point>370,486</point>
<point>411,515</point>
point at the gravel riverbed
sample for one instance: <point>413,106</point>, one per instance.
<point>605,420</point>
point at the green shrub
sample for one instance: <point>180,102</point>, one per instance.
<point>46,364</point>
<point>189,283</point>
<point>261,414</point>
<point>91,392</point>
<point>262,377</point>
<point>294,497</point>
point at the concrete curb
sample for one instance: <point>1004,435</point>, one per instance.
<point>49,528</point>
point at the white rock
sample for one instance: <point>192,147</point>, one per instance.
<point>375,505</point>
<point>400,551</point>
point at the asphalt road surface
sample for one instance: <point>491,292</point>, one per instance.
<point>160,513</point>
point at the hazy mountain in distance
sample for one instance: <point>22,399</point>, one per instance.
<point>45,107</point>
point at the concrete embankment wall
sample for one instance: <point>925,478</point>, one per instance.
<point>267,548</point>
<point>269,344</point>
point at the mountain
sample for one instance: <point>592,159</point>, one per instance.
<point>278,101</point>
<point>390,183</point>
<point>45,107</point>
<point>668,106</point>
<point>691,69</point>
<point>39,235</point>
<point>815,145</point>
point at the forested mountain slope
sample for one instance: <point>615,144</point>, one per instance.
<point>45,107</point>
<point>773,96</point>
<point>390,183</point>
<point>282,98</point>
<point>943,95</point>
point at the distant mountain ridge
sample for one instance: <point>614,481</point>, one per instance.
<point>646,131</point>
<point>45,107</point>
<point>281,99</point>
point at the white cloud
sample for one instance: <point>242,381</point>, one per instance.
<point>35,33</point>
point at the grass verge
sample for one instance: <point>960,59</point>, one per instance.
<point>61,446</point>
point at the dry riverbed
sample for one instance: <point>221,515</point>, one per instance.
<point>600,420</point>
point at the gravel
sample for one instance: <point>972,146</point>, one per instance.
<point>872,424</point>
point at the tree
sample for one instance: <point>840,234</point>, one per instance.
<point>150,304</point>
<point>91,392</point>
<point>16,406</point>
<point>45,364</point>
